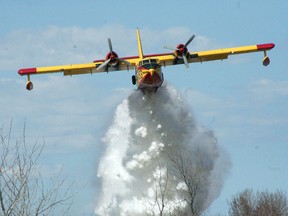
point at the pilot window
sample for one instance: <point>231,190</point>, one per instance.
<point>149,64</point>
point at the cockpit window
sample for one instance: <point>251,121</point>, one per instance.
<point>149,64</point>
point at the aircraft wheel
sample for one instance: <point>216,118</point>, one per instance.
<point>133,80</point>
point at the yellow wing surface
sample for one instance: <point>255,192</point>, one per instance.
<point>113,63</point>
<point>74,69</point>
<point>166,59</point>
<point>217,54</point>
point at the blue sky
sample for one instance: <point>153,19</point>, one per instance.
<point>244,103</point>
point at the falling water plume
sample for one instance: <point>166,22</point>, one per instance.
<point>156,157</point>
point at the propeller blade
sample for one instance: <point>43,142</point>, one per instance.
<point>169,48</point>
<point>124,61</point>
<point>185,60</point>
<point>189,41</point>
<point>110,45</point>
<point>104,64</point>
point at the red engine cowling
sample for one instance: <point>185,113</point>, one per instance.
<point>112,59</point>
<point>113,56</point>
<point>181,50</point>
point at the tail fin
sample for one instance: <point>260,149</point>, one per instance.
<point>140,51</point>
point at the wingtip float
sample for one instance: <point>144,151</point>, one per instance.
<point>148,74</point>
<point>265,47</point>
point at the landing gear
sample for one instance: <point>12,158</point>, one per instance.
<point>133,80</point>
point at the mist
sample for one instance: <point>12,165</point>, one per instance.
<point>152,141</point>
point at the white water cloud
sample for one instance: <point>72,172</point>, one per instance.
<point>134,165</point>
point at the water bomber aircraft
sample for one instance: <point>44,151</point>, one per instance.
<point>148,68</point>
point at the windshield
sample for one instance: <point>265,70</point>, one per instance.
<point>149,64</point>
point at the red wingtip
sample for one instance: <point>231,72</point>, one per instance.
<point>265,46</point>
<point>27,71</point>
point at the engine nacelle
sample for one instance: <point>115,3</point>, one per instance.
<point>113,56</point>
<point>181,50</point>
<point>29,85</point>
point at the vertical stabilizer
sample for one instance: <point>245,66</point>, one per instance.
<point>140,51</point>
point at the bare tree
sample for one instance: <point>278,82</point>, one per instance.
<point>162,200</point>
<point>189,168</point>
<point>22,190</point>
<point>160,189</point>
<point>157,200</point>
<point>242,204</point>
<point>265,203</point>
<point>180,183</point>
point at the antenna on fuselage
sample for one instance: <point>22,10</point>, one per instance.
<point>140,51</point>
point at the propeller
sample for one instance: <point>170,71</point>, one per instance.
<point>189,41</point>
<point>111,57</point>
<point>182,50</point>
<point>115,54</point>
<point>103,64</point>
<point>110,45</point>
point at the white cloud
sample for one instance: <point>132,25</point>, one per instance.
<point>66,45</point>
<point>258,109</point>
<point>269,88</point>
<point>69,113</point>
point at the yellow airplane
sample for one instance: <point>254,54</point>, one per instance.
<point>148,74</point>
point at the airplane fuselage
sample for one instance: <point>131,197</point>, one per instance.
<point>148,75</point>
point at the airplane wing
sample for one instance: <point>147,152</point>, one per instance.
<point>114,63</point>
<point>75,69</point>
<point>211,55</point>
<point>166,59</point>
